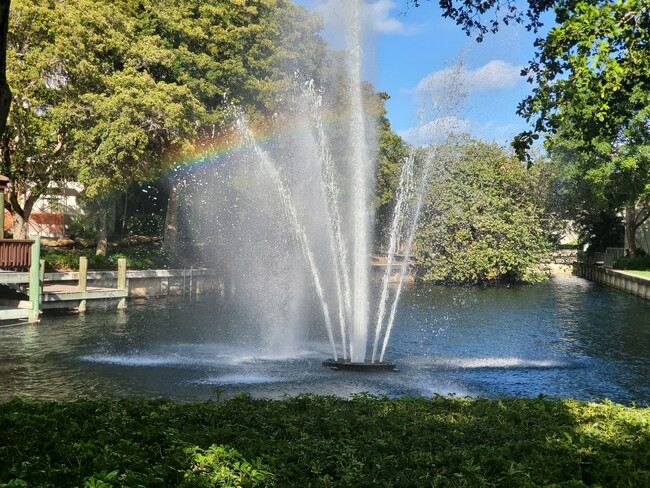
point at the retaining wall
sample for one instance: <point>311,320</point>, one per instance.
<point>149,283</point>
<point>621,280</point>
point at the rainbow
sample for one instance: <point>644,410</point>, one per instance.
<point>215,150</point>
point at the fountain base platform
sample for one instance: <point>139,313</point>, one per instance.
<point>347,365</point>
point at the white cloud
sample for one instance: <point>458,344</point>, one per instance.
<point>500,133</point>
<point>495,75</point>
<point>436,131</point>
<point>376,16</point>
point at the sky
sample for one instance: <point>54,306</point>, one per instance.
<point>438,78</point>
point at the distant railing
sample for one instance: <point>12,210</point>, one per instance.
<point>617,252</point>
<point>599,259</point>
<point>15,254</point>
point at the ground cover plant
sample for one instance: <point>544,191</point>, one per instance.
<point>324,441</point>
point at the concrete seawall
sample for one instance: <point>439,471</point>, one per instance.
<point>148,283</point>
<point>621,280</point>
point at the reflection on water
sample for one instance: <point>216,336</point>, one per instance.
<point>567,338</point>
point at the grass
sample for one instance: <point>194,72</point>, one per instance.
<point>645,274</point>
<point>324,441</point>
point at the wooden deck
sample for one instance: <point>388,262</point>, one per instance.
<point>58,295</point>
<point>43,295</point>
<point>14,309</point>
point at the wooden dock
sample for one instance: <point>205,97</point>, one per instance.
<point>61,296</point>
<point>43,295</point>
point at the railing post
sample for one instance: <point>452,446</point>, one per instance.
<point>83,275</point>
<point>2,214</point>
<point>121,281</point>
<point>35,281</point>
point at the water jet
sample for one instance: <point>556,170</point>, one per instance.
<point>289,220</point>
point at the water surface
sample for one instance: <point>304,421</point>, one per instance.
<point>564,338</point>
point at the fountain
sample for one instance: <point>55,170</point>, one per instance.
<point>288,215</point>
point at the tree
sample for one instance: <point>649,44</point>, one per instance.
<point>591,77</point>
<point>592,73</point>
<point>391,153</point>
<point>484,217</point>
<point>81,109</point>
<point>586,206</point>
<point>5,90</point>
<point>233,53</point>
<point>104,91</point>
<point>32,145</point>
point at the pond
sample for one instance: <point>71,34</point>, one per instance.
<point>563,338</point>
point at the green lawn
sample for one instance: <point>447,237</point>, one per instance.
<point>324,441</point>
<point>645,274</point>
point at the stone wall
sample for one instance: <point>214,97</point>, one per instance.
<point>621,280</point>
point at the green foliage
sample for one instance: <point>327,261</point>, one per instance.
<point>593,97</point>
<point>105,91</point>
<point>392,151</point>
<point>82,226</point>
<point>484,218</point>
<point>69,260</point>
<point>641,262</point>
<point>324,441</point>
<point>139,257</point>
<point>223,466</point>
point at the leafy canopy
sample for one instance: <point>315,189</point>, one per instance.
<point>484,218</point>
<point>104,89</point>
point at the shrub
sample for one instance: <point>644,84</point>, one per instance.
<point>69,260</point>
<point>141,257</point>
<point>483,218</point>
<point>637,263</point>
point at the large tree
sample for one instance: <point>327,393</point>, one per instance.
<point>591,77</point>
<point>105,90</point>
<point>83,106</point>
<point>485,217</point>
<point>5,90</point>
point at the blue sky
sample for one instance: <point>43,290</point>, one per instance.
<point>415,55</point>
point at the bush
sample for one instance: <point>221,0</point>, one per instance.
<point>69,260</point>
<point>483,219</point>
<point>637,263</point>
<point>141,257</point>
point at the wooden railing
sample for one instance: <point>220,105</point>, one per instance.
<point>15,254</point>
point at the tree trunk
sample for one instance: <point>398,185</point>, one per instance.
<point>105,209</point>
<point>21,227</point>
<point>20,214</point>
<point>630,230</point>
<point>5,91</point>
<point>170,237</point>
<point>102,236</point>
